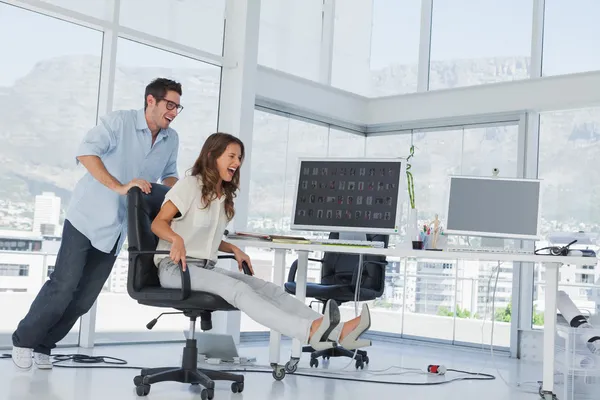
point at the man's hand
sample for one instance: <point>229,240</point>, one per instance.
<point>142,184</point>
<point>241,257</point>
<point>178,251</point>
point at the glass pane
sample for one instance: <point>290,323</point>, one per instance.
<point>269,148</point>
<point>474,312</point>
<point>346,144</point>
<point>388,146</point>
<point>290,36</point>
<point>569,34</point>
<point>48,98</point>
<point>195,23</point>
<point>98,8</point>
<point>569,201</point>
<point>376,46</point>
<point>429,307</point>
<point>437,156</point>
<point>470,44</point>
<point>138,65</point>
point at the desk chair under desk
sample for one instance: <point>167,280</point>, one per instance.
<point>339,275</point>
<point>143,285</point>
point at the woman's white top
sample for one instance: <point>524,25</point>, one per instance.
<point>201,228</point>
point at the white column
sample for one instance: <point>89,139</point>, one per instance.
<point>236,113</point>
<point>87,327</point>
<point>523,273</point>
<point>424,46</point>
<point>537,38</point>
<point>327,30</point>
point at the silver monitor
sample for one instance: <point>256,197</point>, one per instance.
<point>494,207</point>
<point>349,195</point>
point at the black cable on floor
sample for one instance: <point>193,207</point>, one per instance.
<point>117,363</point>
<point>482,377</point>
<point>85,359</point>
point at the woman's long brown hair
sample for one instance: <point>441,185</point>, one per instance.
<point>206,168</point>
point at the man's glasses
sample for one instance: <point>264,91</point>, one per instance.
<point>171,105</point>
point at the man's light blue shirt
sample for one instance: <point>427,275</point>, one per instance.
<point>123,142</point>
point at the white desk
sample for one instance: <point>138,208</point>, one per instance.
<point>551,263</point>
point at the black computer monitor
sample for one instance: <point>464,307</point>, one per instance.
<point>349,195</point>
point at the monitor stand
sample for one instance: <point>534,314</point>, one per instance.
<point>353,236</point>
<point>492,242</point>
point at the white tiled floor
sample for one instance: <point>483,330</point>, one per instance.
<point>77,384</point>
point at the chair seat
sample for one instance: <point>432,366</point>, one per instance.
<point>341,293</point>
<point>149,296</point>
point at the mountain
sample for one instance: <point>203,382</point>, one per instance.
<point>46,113</point>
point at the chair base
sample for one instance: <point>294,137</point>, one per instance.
<point>361,356</point>
<point>187,373</point>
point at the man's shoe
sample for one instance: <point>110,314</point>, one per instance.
<point>21,357</point>
<point>42,361</point>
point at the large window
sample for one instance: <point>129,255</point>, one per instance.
<point>446,299</point>
<point>569,34</point>
<point>290,36</point>
<point>278,142</point>
<point>471,45</point>
<point>195,23</point>
<point>48,98</point>
<point>569,150</point>
<point>376,46</point>
<point>137,65</point>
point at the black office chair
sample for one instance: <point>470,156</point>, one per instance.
<point>143,285</point>
<point>339,275</point>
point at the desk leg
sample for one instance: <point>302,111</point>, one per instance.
<point>278,279</point>
<point>550,328</point>
<point>301,275</point>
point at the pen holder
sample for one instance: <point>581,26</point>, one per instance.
<point>417,245</point>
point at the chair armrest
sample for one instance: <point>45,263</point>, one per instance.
<point>186,286</point>
<point>245,267</point>
<point>294,268</point>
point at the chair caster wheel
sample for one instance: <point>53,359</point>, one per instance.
<point>291,366</point>
<point>142,390</point>
<point>360,364</point>
<point>237,387</point>
<point>278,373</point>
<point>138,380</point>
<point>207,394</point>
<point>314,363</point>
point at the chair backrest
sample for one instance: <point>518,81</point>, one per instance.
<point>338,268</point>
<point>141,211</point>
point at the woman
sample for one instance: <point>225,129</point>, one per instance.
<point>205,201</point>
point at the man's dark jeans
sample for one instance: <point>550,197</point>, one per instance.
<point>79,275</point>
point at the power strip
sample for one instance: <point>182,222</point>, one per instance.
<point>217,361</point>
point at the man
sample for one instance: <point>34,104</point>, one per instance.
<point>126,149</point>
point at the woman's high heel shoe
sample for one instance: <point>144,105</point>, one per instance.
<point>352,341</point>
<point>331,318</point>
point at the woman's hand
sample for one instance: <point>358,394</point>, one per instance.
<point>241,257</point>
<point>178,251</point>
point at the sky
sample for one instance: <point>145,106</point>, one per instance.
<point>461,29</point>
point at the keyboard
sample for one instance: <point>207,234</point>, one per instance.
<point>342,242</point>
<point>495,250</point>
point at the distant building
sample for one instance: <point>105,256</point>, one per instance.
<point>46,212</point>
